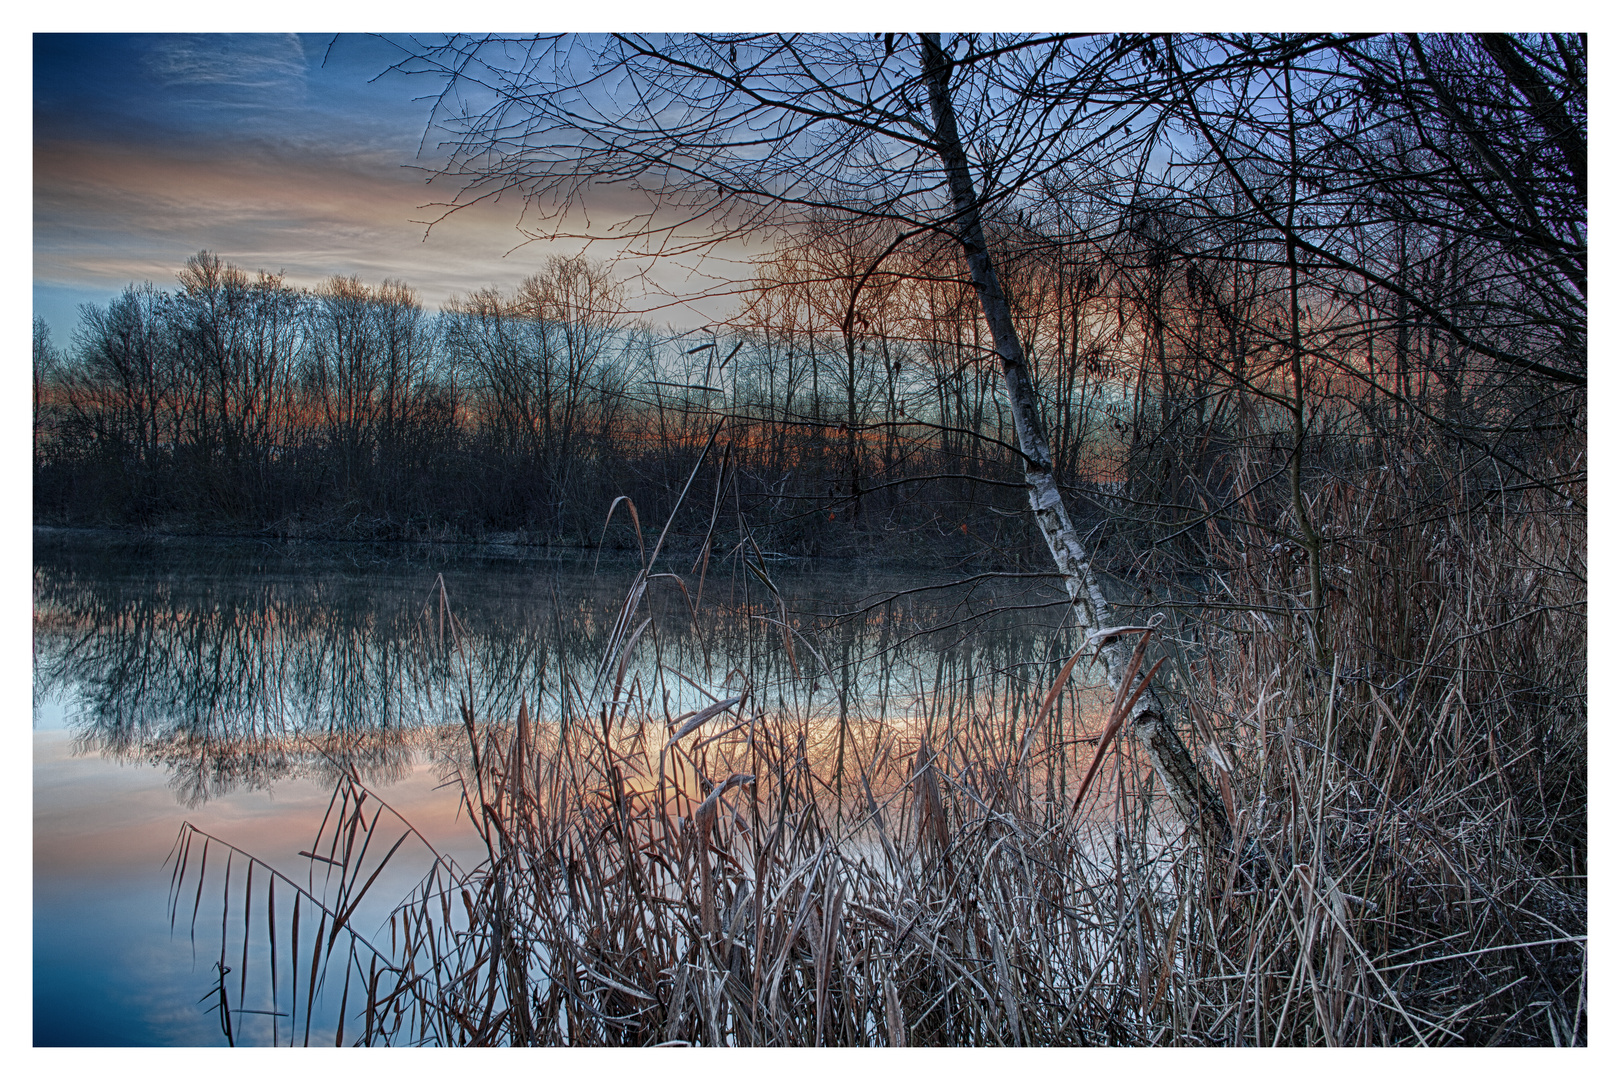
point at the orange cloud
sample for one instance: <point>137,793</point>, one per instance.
<point>106,215</point>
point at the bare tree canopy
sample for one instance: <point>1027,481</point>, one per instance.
<point>727,134</point>
<point>1481,139</point>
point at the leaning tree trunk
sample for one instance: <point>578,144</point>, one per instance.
<point>1193,797</point>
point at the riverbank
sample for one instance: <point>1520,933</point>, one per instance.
<point>495,548</point>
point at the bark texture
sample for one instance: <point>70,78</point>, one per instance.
<point>1194,799</point>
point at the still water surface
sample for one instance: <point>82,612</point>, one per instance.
<point>227,683</point>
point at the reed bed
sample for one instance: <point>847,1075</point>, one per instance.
<point>1406,784</point>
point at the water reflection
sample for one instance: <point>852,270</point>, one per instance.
<point>233,666</point>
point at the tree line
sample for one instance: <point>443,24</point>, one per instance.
<point>1350,250</point>
<point>236,401</point>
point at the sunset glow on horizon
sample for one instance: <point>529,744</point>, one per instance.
<point>287,153</point>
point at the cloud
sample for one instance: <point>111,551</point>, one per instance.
<point>108,214</point>
<point>112,214</point>
<point>250,61</point>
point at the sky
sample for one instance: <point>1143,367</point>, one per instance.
<point>294,153</point>
<point>282,152</point>
<point>299,154</point>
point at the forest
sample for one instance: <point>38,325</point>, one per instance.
<point>238,403</point>
<point>1286,332</point>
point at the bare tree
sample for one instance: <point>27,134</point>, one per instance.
<point>733,134</point>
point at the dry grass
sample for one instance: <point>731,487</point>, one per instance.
<point>1409,807</point>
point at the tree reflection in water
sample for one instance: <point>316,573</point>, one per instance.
<point>233,665</point>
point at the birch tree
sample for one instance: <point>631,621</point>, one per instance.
<point>703,139</point>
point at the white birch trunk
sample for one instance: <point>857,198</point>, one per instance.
<point>1192,796</point>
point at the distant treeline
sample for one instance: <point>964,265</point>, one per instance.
<point>852,402</point>
<point>238,402</point>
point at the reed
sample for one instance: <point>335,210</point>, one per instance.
<point>969,866</point>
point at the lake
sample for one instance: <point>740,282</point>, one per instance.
<point>230,683</point>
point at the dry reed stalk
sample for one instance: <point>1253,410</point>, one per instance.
<point>1417,810</point>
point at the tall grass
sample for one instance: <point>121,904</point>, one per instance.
<point>1408,866</point>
